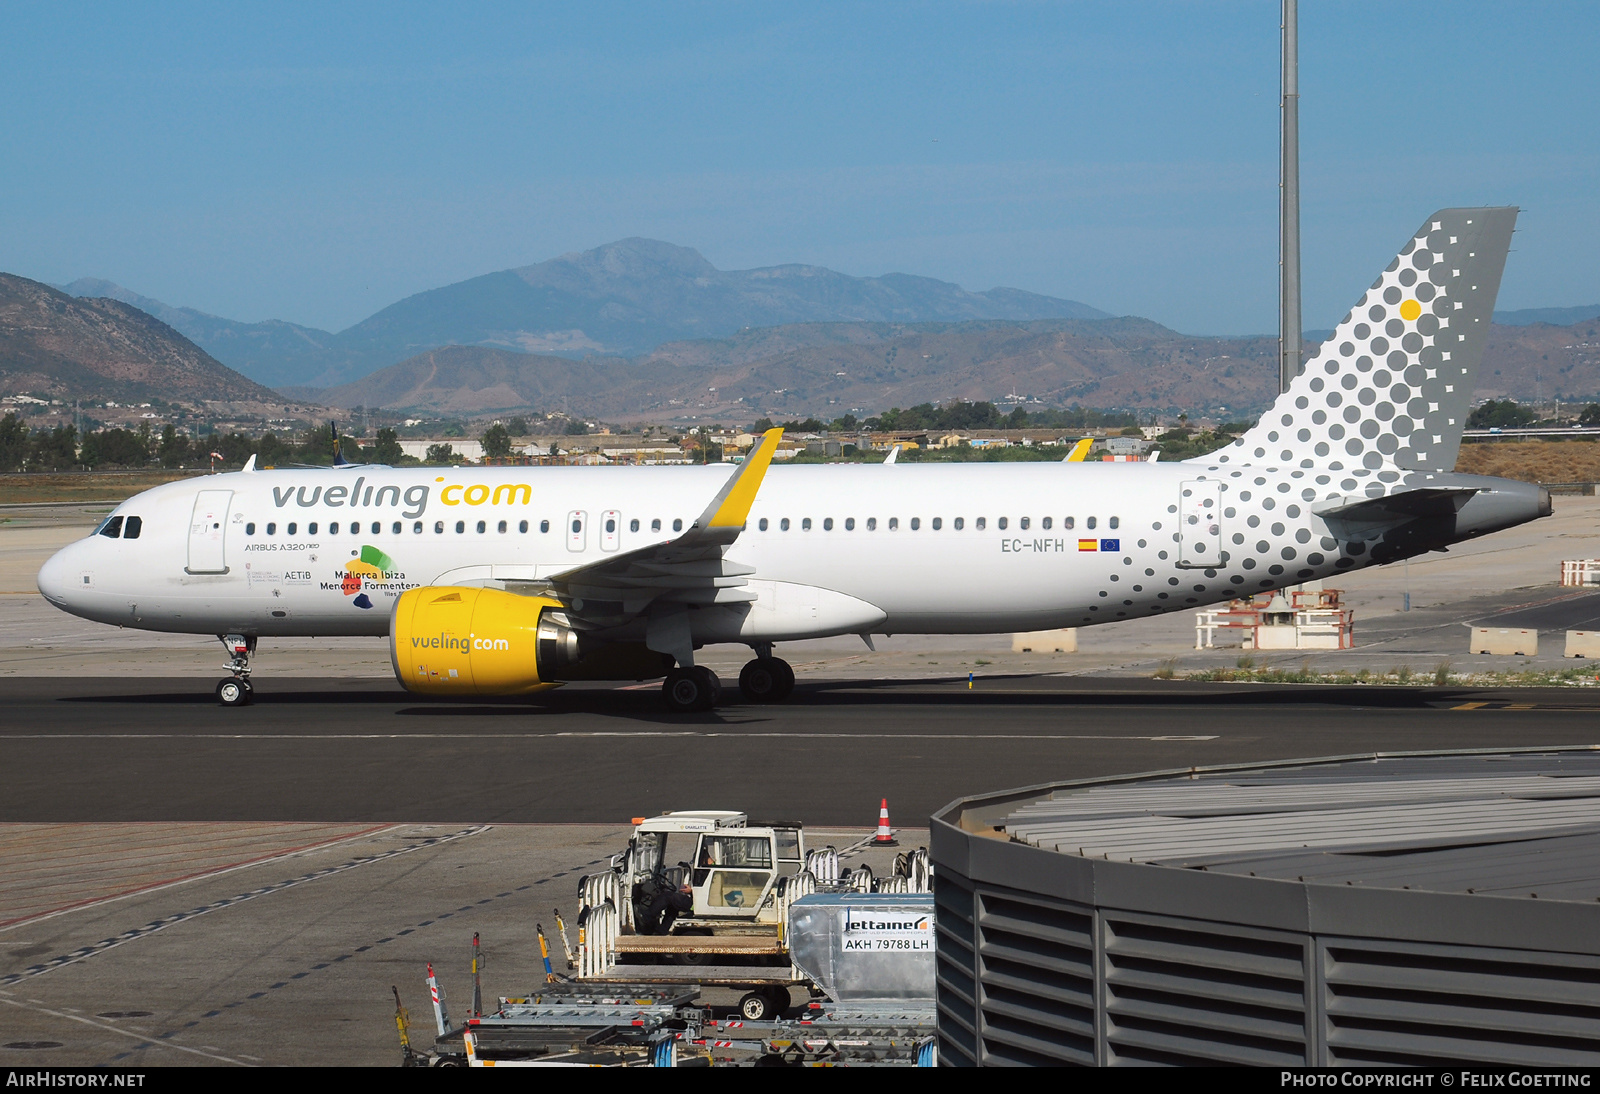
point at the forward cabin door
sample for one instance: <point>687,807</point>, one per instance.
<point>1200,524</point>
<point>206,529</point>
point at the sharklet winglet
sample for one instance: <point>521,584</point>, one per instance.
<point>731,507</point>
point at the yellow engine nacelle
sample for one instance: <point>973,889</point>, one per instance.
<point>449,640</point>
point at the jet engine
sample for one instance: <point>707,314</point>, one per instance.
<point>458,641</point>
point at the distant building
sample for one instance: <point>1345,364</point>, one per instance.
<point>1126,446</point>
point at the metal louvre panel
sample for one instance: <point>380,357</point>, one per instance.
<point>1037,973</point>
<point>1179,991</point>
<point>955,982</point>
<point>1418,1004</point>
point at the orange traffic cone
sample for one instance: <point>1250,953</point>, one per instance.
<point>885,836</point>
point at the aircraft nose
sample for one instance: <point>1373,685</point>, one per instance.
<point>57,576</point>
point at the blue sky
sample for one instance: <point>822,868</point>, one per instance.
<point>316,162</point>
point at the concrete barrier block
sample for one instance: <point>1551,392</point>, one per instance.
<point>1582,644</point>
<point>1062,641</point>
<point>1504,640</point>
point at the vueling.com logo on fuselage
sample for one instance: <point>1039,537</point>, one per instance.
<point>451,642</point>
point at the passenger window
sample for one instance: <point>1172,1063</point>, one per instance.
<point>916,522</point>
<point>416,529</point>
<point>1113,522</point>
<point>1089,523</point>
<point>827,524</point>
<point>1025,522</point>
<point>805,524</point>
<point>1067,522</point>
<point>333,529</point>
<point>395,529</point>
<point>1001,524</point>
<point>291,529</point>
<point>522,526</point>
<point>611,526</point>
<point>894,524</point>
<point>982,523</point>
<point>376,528</point>
<point>783,524</point>
<point>655,525</point>
<point>938,522</point>
<point>677,524</point>
<point>577,526</point>
<point>1046,523</point>
<point>961,522</point>
<point>872,524</point>
<point>112,528</point>
<point>461,526</point>
<point>763,524</point>
<point>438,527</point>
<point>502,526</point>
<point>483,526</point>
<point>544,526</point>
<point>250,529</point>
<point>272,528</point>
<point>633,525</point>
<point>849,524</point>
<point>311,529</point>
<point>132,527</point>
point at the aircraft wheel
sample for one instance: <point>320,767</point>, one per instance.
<point>688,691</point>
<point>760,680</point>
<point>233,692</point>
<point>712,683</point>
<point>785,679</point>
<point>755,1006</point>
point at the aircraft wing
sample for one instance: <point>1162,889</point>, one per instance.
<point>687,570</point>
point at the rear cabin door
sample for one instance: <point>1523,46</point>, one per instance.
<point>1200,524</point>
<point>207,526</point>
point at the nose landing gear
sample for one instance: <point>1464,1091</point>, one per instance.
<point>235,690</point>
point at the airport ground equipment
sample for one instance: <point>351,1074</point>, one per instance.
<point>1395,908</point>
<point>740,881</point>
<point>1309,618</point>
<point>1506,641</point>
<point>1580,571</point>
<point>871,955</point>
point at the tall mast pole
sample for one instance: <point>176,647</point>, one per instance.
<point>1289,204</point>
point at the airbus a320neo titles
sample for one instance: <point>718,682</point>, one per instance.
<point>511,580</point>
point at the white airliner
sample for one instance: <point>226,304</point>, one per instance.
<point>511,580</point>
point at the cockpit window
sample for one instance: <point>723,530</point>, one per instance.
<point>132,528</point>
<point>112,528</point>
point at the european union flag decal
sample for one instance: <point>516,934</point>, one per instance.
<point>1111,545</point>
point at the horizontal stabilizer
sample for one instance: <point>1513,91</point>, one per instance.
<point>1395,508</point>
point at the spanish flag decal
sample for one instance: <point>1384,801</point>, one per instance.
<point>1088,545</point>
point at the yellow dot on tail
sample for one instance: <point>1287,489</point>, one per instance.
<point>1410,310</point>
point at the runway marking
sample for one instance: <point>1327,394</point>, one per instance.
<point>439,917</point>
<point>85,952</point>
<point>147,1040</point>
<point>603,733</point>
<point>173,883</point>
<point>1502,705</point>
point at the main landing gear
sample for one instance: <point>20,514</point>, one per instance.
<point>767,679</point>
<point>691,690</point>
<point>235,690</point>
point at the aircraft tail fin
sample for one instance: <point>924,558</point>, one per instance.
<point>1392,387</point>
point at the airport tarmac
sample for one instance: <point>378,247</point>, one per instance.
<point>185,884</point>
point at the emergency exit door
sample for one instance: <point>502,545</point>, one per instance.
<point>577,530</point>
<point>207,526</point>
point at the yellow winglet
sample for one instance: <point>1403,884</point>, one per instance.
<point>1079,451</point>
<point>740,494</point>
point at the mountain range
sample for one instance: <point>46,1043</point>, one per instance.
<point>623,299</point>
<point>56,345</point>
